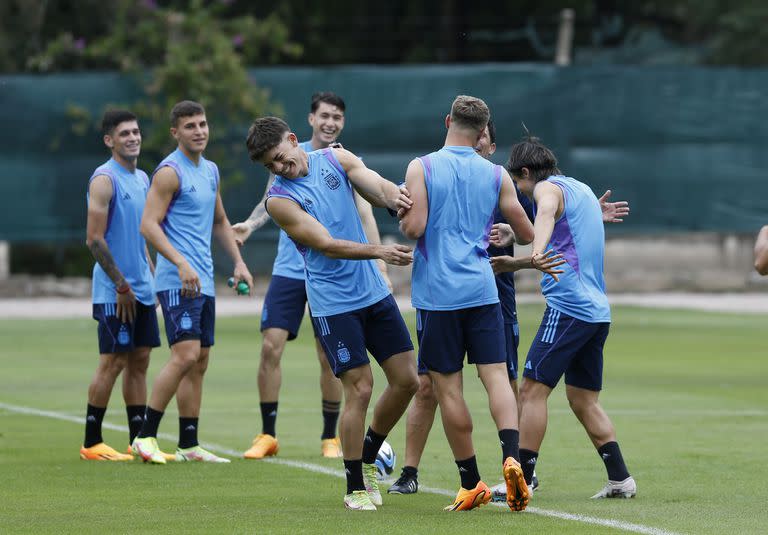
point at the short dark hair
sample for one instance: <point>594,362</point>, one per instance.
<point>491,131</point>
<point>329,98</point>
<point>265,134</point>
<point>532,154</point>
<point>185,108</point>
<point>470,112</point>
<point>112,118</point>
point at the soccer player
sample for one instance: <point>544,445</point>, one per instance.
<point>575,326</point>
<point>351,306</point>
<point>287,297</point>
<point>455,194</point>
<point>183,208</point>
<point>761,251</point>
<point>123,298</point>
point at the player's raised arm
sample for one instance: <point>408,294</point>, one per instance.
<point>306,230</point>
<point>413,221</point>
<point>371,185</point>
<point>761,251</point>
<point>164,185</point>
<point>99,196</point>
<point>513,211</point>
<point>256,220</point>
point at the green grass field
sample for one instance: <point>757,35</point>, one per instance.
<point>686,391</point>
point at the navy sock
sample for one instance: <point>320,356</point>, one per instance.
<point>268,417</point>
<point>151,423</point>
<point>410,471</point>
<point>510,444</point>
<point>135,420</point>
<point>371,445</point>
<point>93,418</point>
<point>470,477</point>
<point>330,418</point>
<point>354,472</point>
<point>614,462</point>
<point>188,432</point>
<point>528,460</point>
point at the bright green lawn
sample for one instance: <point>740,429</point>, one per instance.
<point>686,391</point>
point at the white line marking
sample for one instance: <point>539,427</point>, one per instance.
<point>316,468</point>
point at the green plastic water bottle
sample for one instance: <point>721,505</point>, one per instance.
<point>242,286</point>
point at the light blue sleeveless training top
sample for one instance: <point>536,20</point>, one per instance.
<point>289,262</point>
<point>579,236</point>
<point>334,286</point>
<point>189,221</point>
<point>451,269</point>
<point>129,193</point>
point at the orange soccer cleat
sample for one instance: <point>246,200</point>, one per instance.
<point>518,494</point>
<point>263,446</point>
<point>102,452</point>
<point>469,499</point>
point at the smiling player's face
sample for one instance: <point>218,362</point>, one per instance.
<point>286,159</point>
<point>327,122</point>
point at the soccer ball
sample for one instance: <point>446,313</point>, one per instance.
<point>385,460</point>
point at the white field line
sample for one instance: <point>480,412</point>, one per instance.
<point>316,468</point>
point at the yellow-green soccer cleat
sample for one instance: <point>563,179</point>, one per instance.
<point>148,450</point>
<point>371,483</point>
<point>102,452</point>
<point>168,456</point>
<point>198,454</point>
<point>359,500</point>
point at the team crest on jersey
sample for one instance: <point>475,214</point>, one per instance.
<point>331,180</point>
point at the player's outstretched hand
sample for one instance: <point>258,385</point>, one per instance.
<point>403,201</point>
<point>547,261</point>
<point>397,255</point>
<point>126,306</point>
<point>190,282</point>
<point>242,232</point>
<point>613,212</point>
<point>501,235</point>
<point>241,273</point>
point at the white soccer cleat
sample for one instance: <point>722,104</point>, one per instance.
<point>359,500</point>
<point>148,450</point>
<point>198,454</point>
<point>618,489</point>
<point>371,483</point>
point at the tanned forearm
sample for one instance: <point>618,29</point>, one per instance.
<point>259,216</point>
<point>101,253</point>
<point>350,250</point>
<point>222,230</point>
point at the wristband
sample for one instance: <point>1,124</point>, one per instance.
<point>123,289</point>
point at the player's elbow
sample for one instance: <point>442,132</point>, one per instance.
<point>761,266</point>
<point>524,238</point>
<point>327,247</point>
<point>411,229</point>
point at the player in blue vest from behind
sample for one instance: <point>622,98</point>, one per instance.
<point>570,340</point>
<point>312,199</point>
<point>184,208</point>
<point>456,194</point>
<point>123,296</point>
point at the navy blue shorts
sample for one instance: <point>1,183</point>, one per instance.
<point>567,346</point>
<point>118,337</point>
<point>445,336</point>
<point>188,318</point>
<point>379,328</point>
<point>512,339</point>
<point>284,305</point>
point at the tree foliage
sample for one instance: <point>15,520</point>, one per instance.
<point>198,53</point>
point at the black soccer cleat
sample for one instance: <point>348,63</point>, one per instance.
<point>405,484</point>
